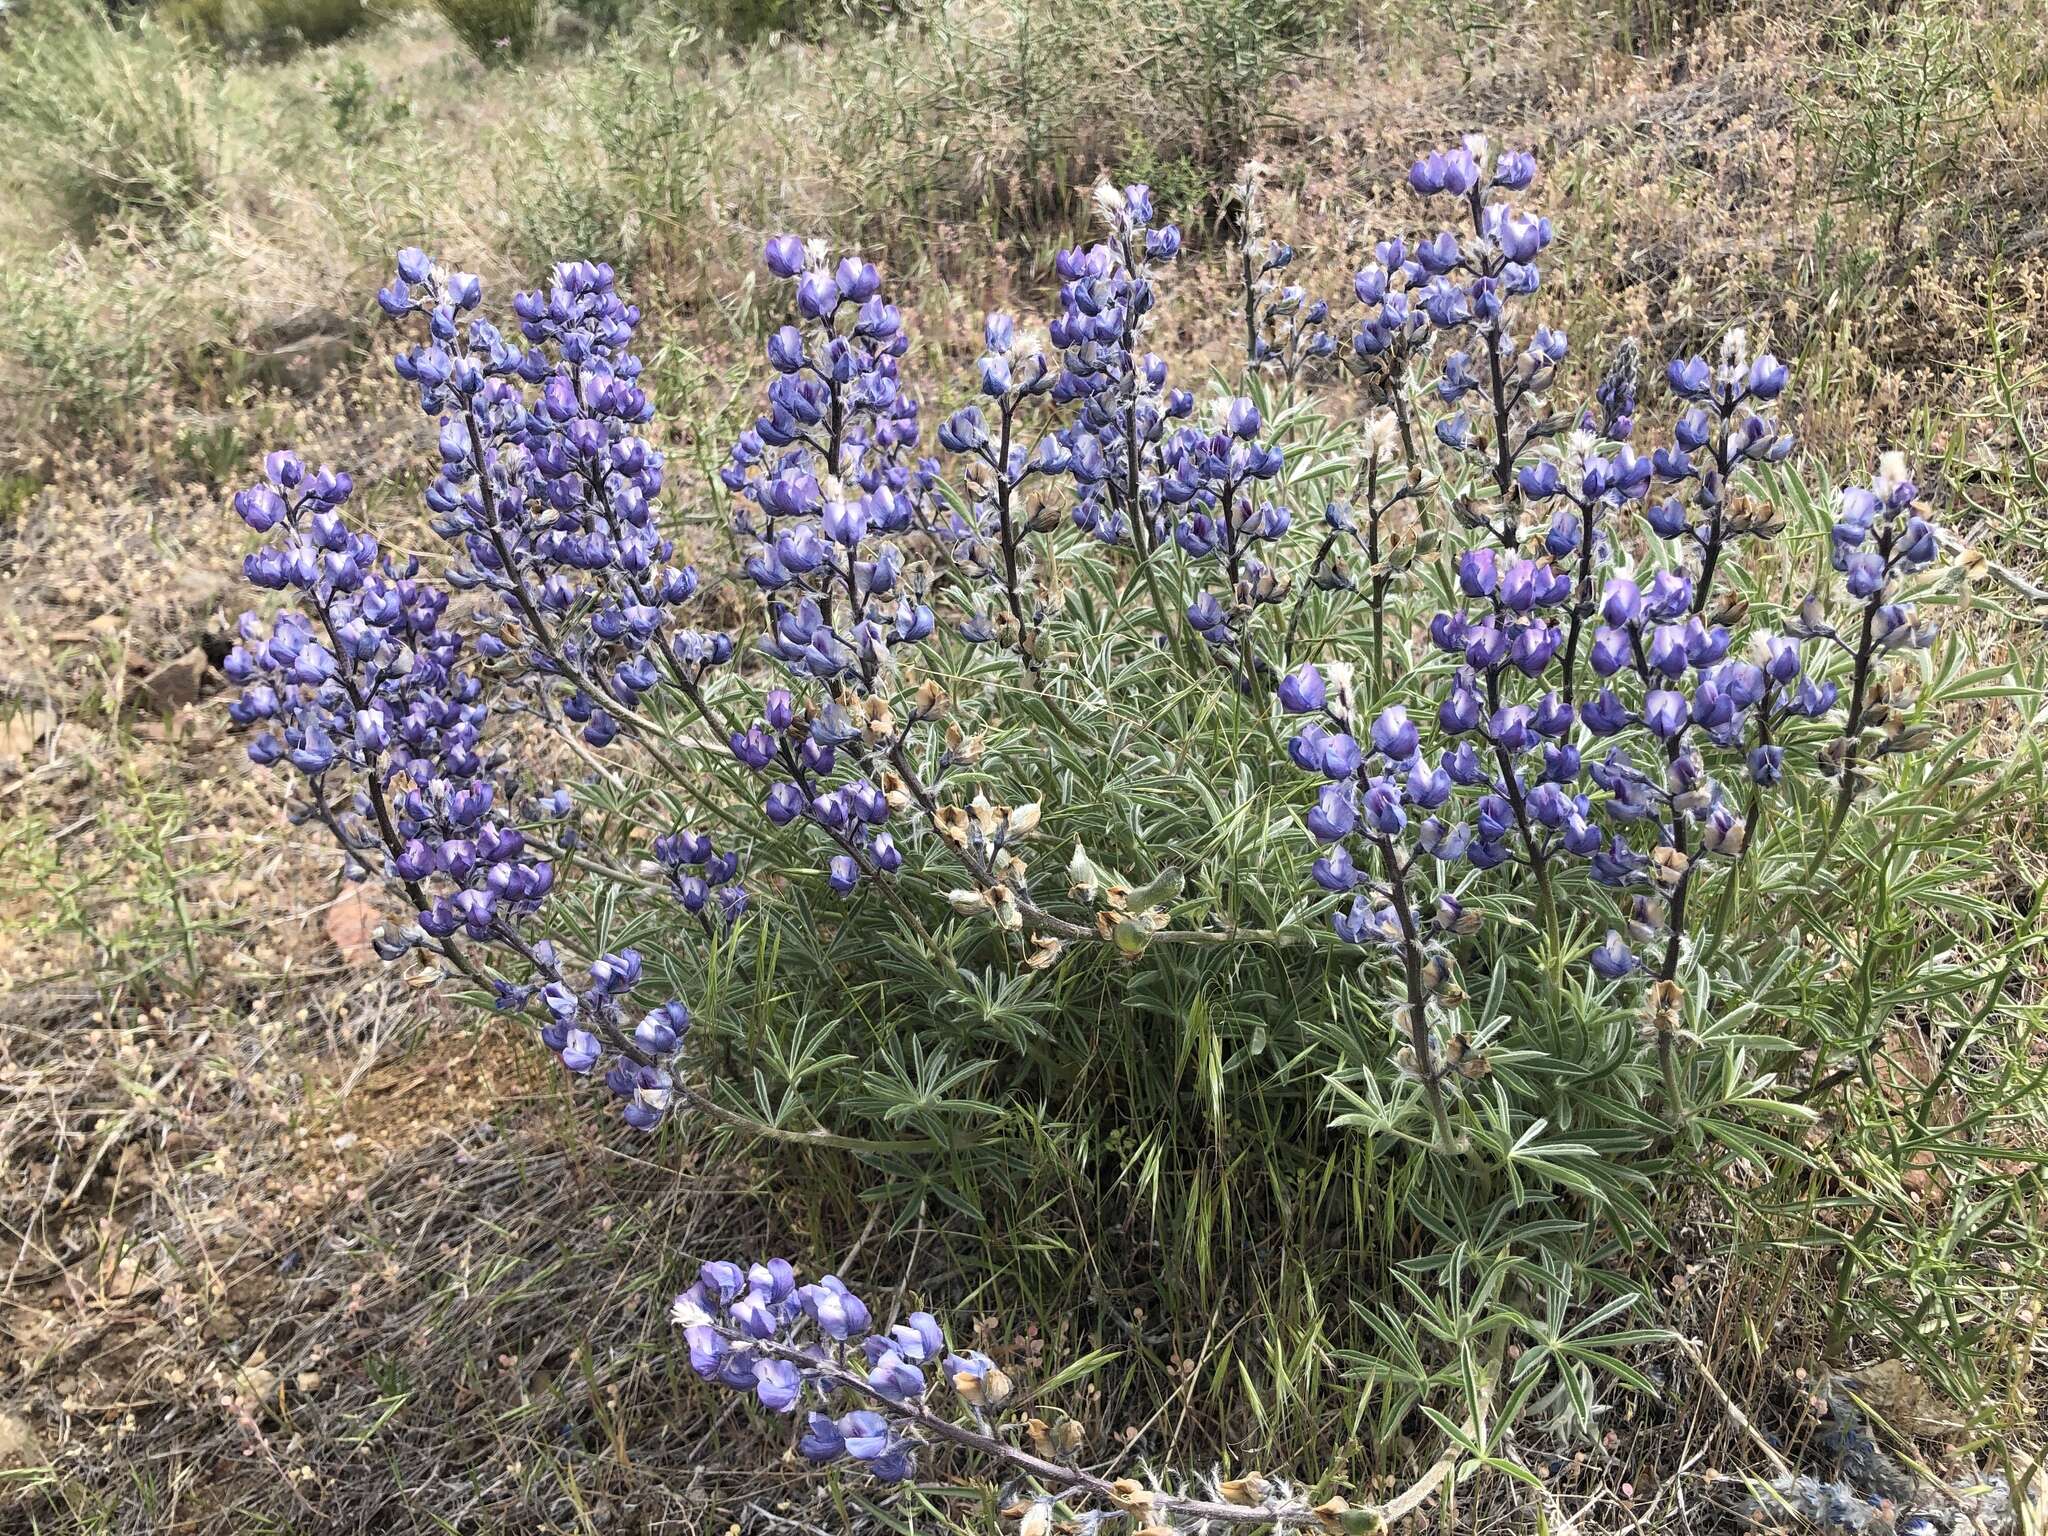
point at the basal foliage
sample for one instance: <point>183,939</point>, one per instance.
<point>1147,825</point>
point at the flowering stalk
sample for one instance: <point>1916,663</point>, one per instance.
<point>550,496</point>
<point>1590,482</point>
<point>1722,417</point>
<point>1389,542</point>
<point>1499,264</point>
<point>1107,299</point>
<point>1879,538</point>
<point>1212,476</point>
<point>1426,1060</point>
<point>1369,789</point>
<point>1284,329</point>
<point>1014,371</point>
<point>810,1348</point>
<point>1517,637</point>
<point>385,703</point>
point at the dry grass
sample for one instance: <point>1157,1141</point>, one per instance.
<point>280,1236</point>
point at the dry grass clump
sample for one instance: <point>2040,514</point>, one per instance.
<point>110,117</point>
<point>931,139</point>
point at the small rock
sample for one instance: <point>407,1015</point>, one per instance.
<point>351,924</point>
<point>302,366</point>
<point>173,685</point>
<point>20,734</point>
<point>19,1448</point>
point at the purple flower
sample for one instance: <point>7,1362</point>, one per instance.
<point>1333,754</point>
<point>1604,714</point>
<point>580,1050</point>
<point>1621,604</point>
<point>918,1338</point>
<point>1301,691</point>
<point>1514,170</point>
<point>896,1378</point>
<point>839,1313</point>
<point>707,1350</point>
<point>1513,728</point>
<point>866,1435</point>
<point>1665,712</point>
<point>1383,811</point>
<point>1690,378</point>
<point>817,295</point>
<point>821,1440</point>
<point>778,1383</point>
<point>1477,572</point>
<point>1335,813</point>
<point>1614,959</point>
<point>785,803</point>
<point>1394,734</point>
<point>1336,870</point>
<point>1461,710</point>
<point>755,747</point>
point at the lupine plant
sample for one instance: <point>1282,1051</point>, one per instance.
<point>1395,789</point>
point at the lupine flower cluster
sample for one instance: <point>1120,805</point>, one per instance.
<point>990,533</point>
<point>1880,538</point>
<point>1726,426</point>
<point>1392,326</point>
<point>823,481</point>
<point>1630,773</point>
<point>365,683</point>
<point>1470,286</point>
<point>1213,480</point>
<point>704,879</point>
<point>812,1346</point>
<point>548,489</point>
<point>806,751</point>
<point>1120,395</point>
<point>876,1396</point>
<point>546,492</point>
